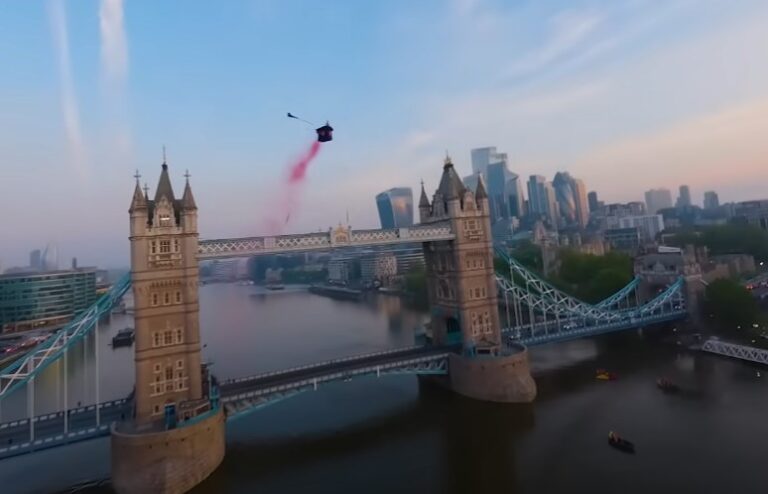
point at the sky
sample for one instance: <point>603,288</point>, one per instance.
<point>626,95</point>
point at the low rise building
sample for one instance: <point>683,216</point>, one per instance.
<point>44,300</point>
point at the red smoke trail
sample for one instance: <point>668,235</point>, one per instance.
<point>289,191</point>
<point>299,170</point>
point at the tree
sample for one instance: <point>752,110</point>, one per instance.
<point>731,303</point>
<point>727,239</point>
<point>416,285</point>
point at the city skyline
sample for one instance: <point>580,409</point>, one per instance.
<point>105,102</point>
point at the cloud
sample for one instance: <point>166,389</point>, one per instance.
<point>114,48</point>
<point>569,30</point>
<point>58,20</point>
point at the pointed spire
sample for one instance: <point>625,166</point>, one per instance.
<point>480,192</point>
<point>424,200</point>
<point>188,200</point>
<point>164,187</point>
<point>138,201</point>
<point>451,185</point>
<point>146,191</point>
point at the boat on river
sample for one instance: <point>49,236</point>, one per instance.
<point>620,443</point>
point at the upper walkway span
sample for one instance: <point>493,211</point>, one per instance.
<point>333,239</point>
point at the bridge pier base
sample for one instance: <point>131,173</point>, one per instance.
<point>502,378</point>
<point>168,462</point>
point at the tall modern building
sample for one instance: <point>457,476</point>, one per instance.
<point>541,199</point>
<point>684,197</point>
<point>50,259</point>
<point>34,300</point>
<point>594,203</point>
<point>565,196</point>
<point>515,198</point>
<point>482,157</point>
<point>711,201</point>
<point>657,199</point>
<point>36,260</point>
<point>582,207</point>
<point>395,207</point>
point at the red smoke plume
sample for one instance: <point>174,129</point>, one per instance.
<point>289,191</point>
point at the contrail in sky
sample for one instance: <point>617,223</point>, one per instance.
<point>58,19</point>
<point>114,48</point>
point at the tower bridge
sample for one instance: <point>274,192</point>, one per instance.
<point>169,434</point>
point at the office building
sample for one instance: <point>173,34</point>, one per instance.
<point>342,270</point>
<point>505,192</point>
<point>594,203</point>
<point>684,197</point>
<point>649,226</point>
<point>565,197</point>
<point>582,206</point>
<point>34,300</point>
<point>711,201</point>
<point>571,196</point>
<point>541,199</point>
<point>753,212</point>
<point>378,268</point>
<point>623,239</point>
<point>36,260</point>
<point>657,199</point>
<point>395,207</point>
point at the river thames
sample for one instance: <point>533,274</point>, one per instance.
<point>394,434</point>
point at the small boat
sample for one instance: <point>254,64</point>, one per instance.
<point>124,337</point>
<point>604,375</point>
<point>619,443</point>
<point>667,386</point>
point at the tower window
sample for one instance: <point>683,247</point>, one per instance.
<point>167,338</point>
<point>165,220</point>
<point>157,369</point>
<point>178,297</point>
<point>156,342</point>
<point>153,247</point>
<point>165,246</point>
<point>176,245</point>
<point>179,337</point>
<point>155,300</point>
<point>179,365</point>
<point>166,298</point>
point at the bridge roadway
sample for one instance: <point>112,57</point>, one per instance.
<point>301,377</point>
<point>49,428</point>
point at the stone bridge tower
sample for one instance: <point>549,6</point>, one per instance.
<point>176,436</point>
<point>462,293</point>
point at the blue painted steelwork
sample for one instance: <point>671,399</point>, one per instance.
<point>20,372</point>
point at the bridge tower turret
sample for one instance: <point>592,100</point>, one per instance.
<point>462,293</point>
<point>157,450</point>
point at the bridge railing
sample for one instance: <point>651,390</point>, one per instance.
<point>33,362</point>
<point>320,364</point>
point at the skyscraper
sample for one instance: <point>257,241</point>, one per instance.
<point>482,157</point>
<point>395,207</point>
<point>657,199</point>
<point>35,260</point>
<point>541,198</point>
<point>564,194</point>
<point>50,260</point>
<point>711,201</point>
<point>594,204</point>
<point>684,198</point>
<point>515,199</point>
<point>580,197</point>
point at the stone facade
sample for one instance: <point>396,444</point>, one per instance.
<point>164,272</point>
<point>167,462</point>
<point>503,378</point>
<point>175,438</point>
<point>462,292</point>
<point>460,273</point>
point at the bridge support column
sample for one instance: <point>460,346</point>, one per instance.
<point>167,462</point>
<point>502,378</point>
